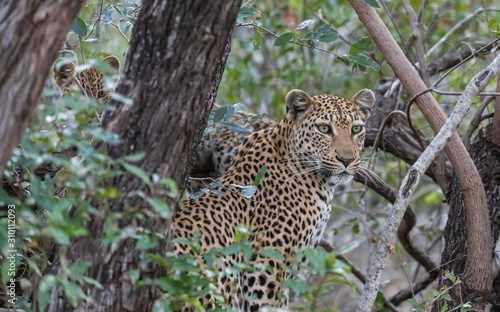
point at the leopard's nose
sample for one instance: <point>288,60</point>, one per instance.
<point>345,161</point>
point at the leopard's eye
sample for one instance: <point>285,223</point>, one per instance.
<point>324,129</point>
<point>356,129</point>
<point>101,94</point>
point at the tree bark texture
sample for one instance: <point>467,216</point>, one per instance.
<point>169,74</point>
<point>486,156</point>
<point>478,262</point>
<point>31,34</point>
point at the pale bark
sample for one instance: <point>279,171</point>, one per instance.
<point>478,268</point>
<point>31,34</point>
<point>410,182</point>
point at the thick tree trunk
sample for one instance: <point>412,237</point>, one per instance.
<point>172,73</point>
<point>486,156</point>
<point>31,33</point>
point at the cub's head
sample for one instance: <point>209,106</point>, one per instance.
<point>91,79</point>
<point>328,131</point>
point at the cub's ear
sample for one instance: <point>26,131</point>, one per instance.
<point>113,61</point>
<point>64,71</point>
<point>364,100</point>
<point>298,103</point>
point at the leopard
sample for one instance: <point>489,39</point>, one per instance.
<point>217,148</point>
<point>90,79</point>
<point>315,148</point>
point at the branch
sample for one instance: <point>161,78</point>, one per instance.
<point>120,30</point>
<point>410,182</point>
<point>419,46</point>
<point>295,41</point>
<point>476,120</point>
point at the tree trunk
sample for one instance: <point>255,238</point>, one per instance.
<point>172,72</point>
<point>31,34</point>
<point>486,156</point>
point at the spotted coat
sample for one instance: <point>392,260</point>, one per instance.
<point>314,148</point>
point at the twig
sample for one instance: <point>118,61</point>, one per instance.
<point>252,24</point>
<point>476,120</point>
<point>121,32</point>
<point>410,182</point>
<point>419,46</point>
<point>456,27</point>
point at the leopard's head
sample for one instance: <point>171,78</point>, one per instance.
<point>91,79</point>
<point>328,131</point>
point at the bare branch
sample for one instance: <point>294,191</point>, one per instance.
<point>121,32</point>
<point>419,46</point>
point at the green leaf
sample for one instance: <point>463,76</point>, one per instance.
<point>434,293</point>
<point>79,27</point>
<point>80,268</point>
<point>446,297</point>
<point>217,192</point>
<point>322,30</point>
<point>137,172</point>
<point>298,286</point>
<point>134,275</point>
<point>121,98</point>
<point>372,3</point>
<point>271,253</point>
<point>147,241</point>
<point>235,248</point>
<point>257,42</point>
<point>450,276</point>
<point>360,45</point>
<point>44,289</point>
<point>73,292</point>
<point>160,206</point>
<point>305,24</point>
<point>365,62</point>
<point>118,10</point>
<point>281,40</point>
<point>174,191</point>
<point>234,127</point>
<point>229,113</point>
<point>330,37</point>
<point>317,259</point>
<point>106,16</point>
<point>444,307</point>
<point>408,268</point>
<point>260,175</point>
<point>247,10</point>
<point>355,229</point>
<point>60,236</point>
<point>244,13</point>
<point>219,114</point>
<point>134,157</point>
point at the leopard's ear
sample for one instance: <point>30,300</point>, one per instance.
<point>364,100</point>
<point>298,103</point>
<point>113,61</point>
<point>64,70</point>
